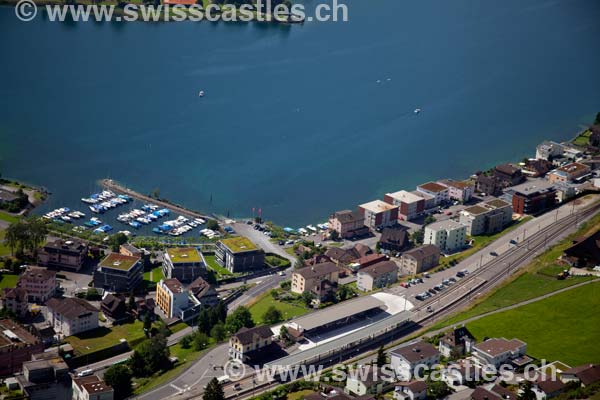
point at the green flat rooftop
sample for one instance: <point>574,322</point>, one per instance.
<point>118,261</point>
<point>239,244</point>
<point>184,255</point>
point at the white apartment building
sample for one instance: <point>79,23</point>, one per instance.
<point>448,236</point>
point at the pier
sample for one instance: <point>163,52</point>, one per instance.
<point>118,188</point>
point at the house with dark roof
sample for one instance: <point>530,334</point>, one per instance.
<point>114,307</point>
<point>249,340</point>
<point>458,341</point>
<point>498,351</point>
<point>439,192</point>
<point>71,315</point>
<point>496,392</point>
<point>412,390</point>
<point>67,254</point>
<point>377,276</point>
<point>15,301</point>
<point>508,174</point>
<point>348,224</point>
<point>17,345</point>
<point>547,388</point>
<point>490,185</point>
<point>459,190</point>
<point>346,256</point>
<point>420,259</point>
<point>319,279</point>
<point>585,252</point>
<point>394,240</point>
<point>406,360</point>
<point>364,381</point>
<point>40,284</point>
<point>536,168</point>
<point>586,374</point>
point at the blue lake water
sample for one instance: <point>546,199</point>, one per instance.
<point>294,121</point>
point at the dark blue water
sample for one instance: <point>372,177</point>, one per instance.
<point>293,120</point>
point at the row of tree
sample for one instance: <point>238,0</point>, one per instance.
<point>26,235</point>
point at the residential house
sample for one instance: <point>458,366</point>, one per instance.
<point>456,342</point>
<point>379,214</point>
<point>72,315</point>
<point>348,224</point>
<point>67,254</point>
<point>411,360</point>
<point>346,256</point>
<point>412,390</point>
<point>449,236</point>
<point>429,200</point>
<point>320,279</point>
<point>377,276</point>
<point>461,373</point>
<point>201,294</point>
<point>171,297</point>
<point>91,388</point>
<point>239,254</point>
<point>498,351</point>
<point>548,150</point>
<point>496,392</point>
<point>365,381</point>
<point>489,185</point>
<point>533,197</point>
<point>394,240</point>
<point>486,218</point>
<point>547,388</point>
<point>368,260</point>
<point>420,259</point>
<point>461,191</point>
<point>587,374</point>
<point>585,251</point>
<point>16,346</point>
<point>184,263</point>
<point>40,284</point>
<point>508,174</point>
<point>536,168</point>
<point>572,172</point>
<point>440,193</point>
<point>119,273</point>
<point>114,307</point>
<point>410,205</point>
<point>45,377</point>
<point>249,340</point>
<point>15,301</point>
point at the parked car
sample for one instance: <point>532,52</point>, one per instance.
<point>432,291</point>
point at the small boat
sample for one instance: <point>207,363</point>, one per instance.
<point>417,110</point>
<point>135,224</point>
<point>201,93</point>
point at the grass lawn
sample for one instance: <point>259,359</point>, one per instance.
<point>4,250</point>
<point>288,310</point>
<point>564,327</point>
<point>537,279</point>
<point>299,395</point>
<point>8,281</point>
<point>583,139</point>
<point>88,342</point>
<point>178,327</point>
<point>212,264</point>
<point>8,217</point>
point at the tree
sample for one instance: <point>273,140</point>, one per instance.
<point>334,235</point>
<point>214,391</point>
<point>186,342</point>
<point>437,389</point>
<point>430,219</point>
<point>418,236</point>
<point>204,321</point>
<point>26,235</point>
<point>218,332</point>
<point>119,378</point>
<point>284,334</point>
<point>150,356</point>
<point>307,298</point>
<point>116,241</point>
<point>131,303</point>
<point>241,317</point>
<point>200,341</point>
<point>212,224</point>
<point>344,292</point>
<point>147,323</point>
<point>526,392</point>
<point>381,357</point>
<point>272,315</point>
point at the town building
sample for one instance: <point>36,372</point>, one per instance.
<point>40,284</point>
<point>410,205</point>
<point>91,388</point>
<point>71,315</point>
<point>533,197</point>
<point>585,251</point>
<point>184,263</point>
<point>379,214</point>
<point>119,273</point>
<point>405,360</point>
<point>67,254</point>
<point>130,250</point>
<point>572,172</point>
<point>348,224</point>
<point>429,200</point>
<point>586,375</point>
<point>461,191</point>
<point>547,388</point>
<point>439,192</point>
<point>16,346</point>
<point>420,259</point>
<point>320,279</point>
<point>488,185</point>
<point>537,168</point>
<point>114,308</point>
<point>171,297</point>
<point>487,217</point>
<point>239,254</point>
<point>548,150</point>
<point>15,301</point>
<point>495,392</point>
<point>496,352</point>
<point>368,260</point>
<point>394,240</point>
<point>45,378</point>
<point>368,381</point>
<point>247,341</point>
<point>347,256</point>
<point>458,341</point>
<point>175,301</point>
<point>508,174</point>
<point>412,390</point>
<point>449,235</point>
<point>377,276</point>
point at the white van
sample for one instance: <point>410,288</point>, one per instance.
<point>85,372</point>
